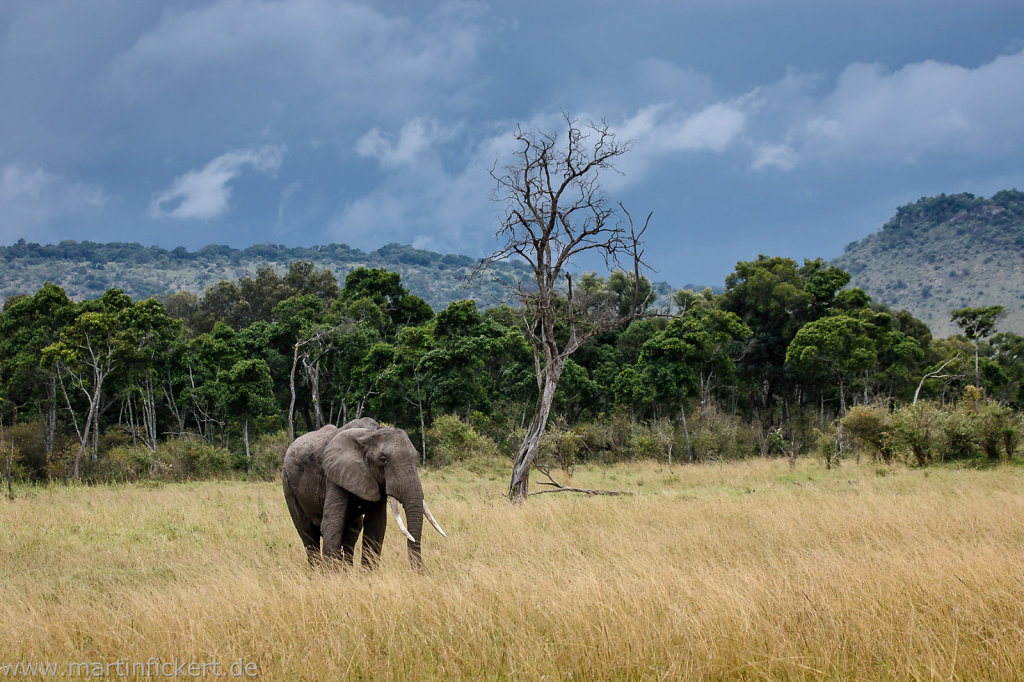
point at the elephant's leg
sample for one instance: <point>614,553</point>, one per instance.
<point>374,524</point>
<point>332,527</point>
<point>350,535</point>
<point>309,532</point>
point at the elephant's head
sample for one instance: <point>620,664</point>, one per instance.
<point>370,462</point>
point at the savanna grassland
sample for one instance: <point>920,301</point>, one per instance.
<point>744,570</point>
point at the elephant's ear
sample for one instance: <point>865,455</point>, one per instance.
<point>344,464</point>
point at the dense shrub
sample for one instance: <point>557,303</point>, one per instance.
<point>828,443</point>
<point>450,439</point>
<point>928,432</point>
<point>267,453</point>
<point>996,429</point>
<point>27,440</point>
<point>561,445</point>
<point>869,426</point>
<point>500,426</point>
<point>958,433</point>
<point>916,431</point>
<point>722,436</point>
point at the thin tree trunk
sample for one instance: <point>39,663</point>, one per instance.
<point>520,483</point>
<point>977,370</point>
<point>245,437</point>
<point>313,373</point>
<point>131,418</point>
<point>686,432</point>
<point>50,434</point>
<point>423,426</point>
<point>291,404</point>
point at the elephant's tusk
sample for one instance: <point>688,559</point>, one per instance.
<point>430,517</point>
<point>398,517</point>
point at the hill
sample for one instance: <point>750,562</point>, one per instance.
<point>946,252</point>
<point>86,269</point>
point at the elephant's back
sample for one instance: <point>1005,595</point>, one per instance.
<point>302,469</point>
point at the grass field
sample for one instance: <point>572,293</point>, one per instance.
<point>746,570</point>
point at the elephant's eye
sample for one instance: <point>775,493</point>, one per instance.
<point>383,459</point>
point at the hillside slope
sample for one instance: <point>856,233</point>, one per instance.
<point>86,269</point>
<point>946,252</point>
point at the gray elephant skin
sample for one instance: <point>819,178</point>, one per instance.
<point>336,484</point>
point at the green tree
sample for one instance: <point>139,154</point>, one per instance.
<point>249,393</point>
<point>775,297</point>
<point>153,333</point>
<point>28,324</point>
<point>385,290</point>
<point>690,356</point>
<point>977,324</point>
<point>88,351</point>
<point>838,346</point>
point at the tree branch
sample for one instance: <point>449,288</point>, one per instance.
<point>559,488</point>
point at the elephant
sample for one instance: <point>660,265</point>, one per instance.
<point>336,483</point>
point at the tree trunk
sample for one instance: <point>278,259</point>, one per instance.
<point>686,432</point>
<point>50,433</point>
<point>245,437</point>
<point>535,432</point>
<point>313,374</point>
<point>977,370</point>
<point>423,426</point>
<point>291,404</point>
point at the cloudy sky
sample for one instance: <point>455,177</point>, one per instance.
<point>784,127</point>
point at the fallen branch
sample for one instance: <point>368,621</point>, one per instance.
<point>559,488</point>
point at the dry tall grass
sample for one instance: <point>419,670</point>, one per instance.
<point>748,570</point>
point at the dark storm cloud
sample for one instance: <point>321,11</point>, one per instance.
<point>788,127</point>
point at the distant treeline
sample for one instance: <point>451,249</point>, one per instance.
<point>135,253</point>
<point>772,365</point>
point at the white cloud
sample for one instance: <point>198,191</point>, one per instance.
<point>711,129</point>
<point>780,156</point>
<point>204,194</point>
<point>416,138</point>
<point>660,129</point>
<point>895,116</point>
<point>32,197</point>
<point>662,132</point>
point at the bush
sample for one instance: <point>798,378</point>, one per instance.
<point>189,457</point>
<point>827,443</point>
<point>500,427</point>
<point>959,434</point>
<point>267,453</point>
<point>125,464</point>
<point>562,445</point>
<point>916,431</point>
<point>450,440</point>
<point>723,436</point>
<point>644,443</point>
<point>27,439</point>
<point>869,426</point>
<point>996,429</point>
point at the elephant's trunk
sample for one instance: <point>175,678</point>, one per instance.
<point>414,519</point>
<point>407,490</point>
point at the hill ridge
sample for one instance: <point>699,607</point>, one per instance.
<point>945,252</point>
<point>85,269</point>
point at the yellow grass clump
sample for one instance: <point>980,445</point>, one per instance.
<point>750,570</point>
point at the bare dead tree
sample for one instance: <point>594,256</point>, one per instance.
<point>936,374</point>
<point>310,350</point>
<point>555,212</point>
